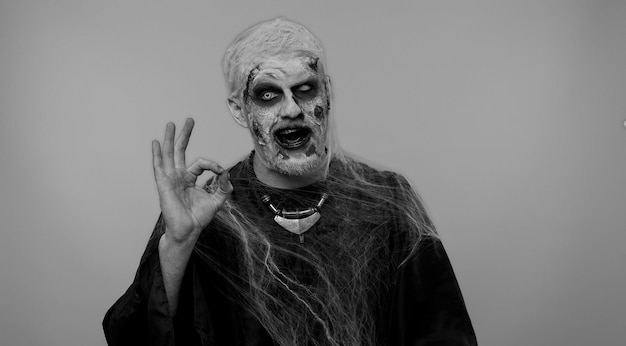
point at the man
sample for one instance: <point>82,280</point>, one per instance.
<point>296,245</point>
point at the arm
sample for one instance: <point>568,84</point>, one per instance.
<point>173,261</point>
<point>187,209</point>
<point>144,315</point>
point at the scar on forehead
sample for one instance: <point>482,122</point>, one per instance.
<point>251,76</point>
<point>313,63</point>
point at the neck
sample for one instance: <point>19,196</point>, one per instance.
<point>282,181</point>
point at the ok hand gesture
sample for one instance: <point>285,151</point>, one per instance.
<point>187,209</point>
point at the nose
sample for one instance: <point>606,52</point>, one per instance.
<point>290,108</point>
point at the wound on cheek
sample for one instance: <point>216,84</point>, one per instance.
<point>285,156</point>
<point>318,112</point>
<point>256,129</point>
<point>311,150</point>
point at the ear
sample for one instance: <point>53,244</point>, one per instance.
<point>237,112</point>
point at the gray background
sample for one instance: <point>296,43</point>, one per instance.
<point>507,116</point>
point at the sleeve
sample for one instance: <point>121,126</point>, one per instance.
<point>428,307</point>
<point>141,316</point>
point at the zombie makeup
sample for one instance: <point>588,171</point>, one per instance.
<point>313,63</point>
<point>318,112</point>
<point>286,103</point>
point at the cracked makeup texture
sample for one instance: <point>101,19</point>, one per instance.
<point>287,92</point>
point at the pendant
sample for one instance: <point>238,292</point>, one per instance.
<point>298,226</point>
<point>298,221</point>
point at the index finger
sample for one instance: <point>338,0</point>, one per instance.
<point>181,143</point>
<point>157,160</point>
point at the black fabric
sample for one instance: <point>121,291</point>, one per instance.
<point>423,306</point>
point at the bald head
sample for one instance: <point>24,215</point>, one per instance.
<point>278,38</point>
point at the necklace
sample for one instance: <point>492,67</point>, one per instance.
<point>298,221</point>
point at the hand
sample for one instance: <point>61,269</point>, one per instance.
<point>187,209</point>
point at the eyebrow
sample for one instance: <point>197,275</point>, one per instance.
<point>310,81</point>
<point>262,74</point>
<point>261,83</point>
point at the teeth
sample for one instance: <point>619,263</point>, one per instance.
<point>291,138</point>
<point>287,131</point>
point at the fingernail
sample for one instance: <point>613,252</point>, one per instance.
<point>224,179</point>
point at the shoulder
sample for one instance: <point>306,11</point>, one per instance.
<point>391,195</point>
<point>356,172</point>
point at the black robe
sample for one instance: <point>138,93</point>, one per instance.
<point>423,305</point>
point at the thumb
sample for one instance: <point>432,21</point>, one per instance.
<point>224,187</point>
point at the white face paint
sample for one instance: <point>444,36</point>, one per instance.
<point>286,105</point>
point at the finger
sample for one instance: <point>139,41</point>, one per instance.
<point>224,190</point>
<point>201,165</point>
<point>168,148</point>
<point>181,144</point>
<point>157,160</point>
<point>220,187</point>
<point>225,186</point>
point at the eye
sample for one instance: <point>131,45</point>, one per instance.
<point>267,95</point>
<point>304,88</point>
<point>305,91</point>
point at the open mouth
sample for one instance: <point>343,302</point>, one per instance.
<point>293,137</point>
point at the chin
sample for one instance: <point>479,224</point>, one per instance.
<point>296,164</point>
<point>299,167</point>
